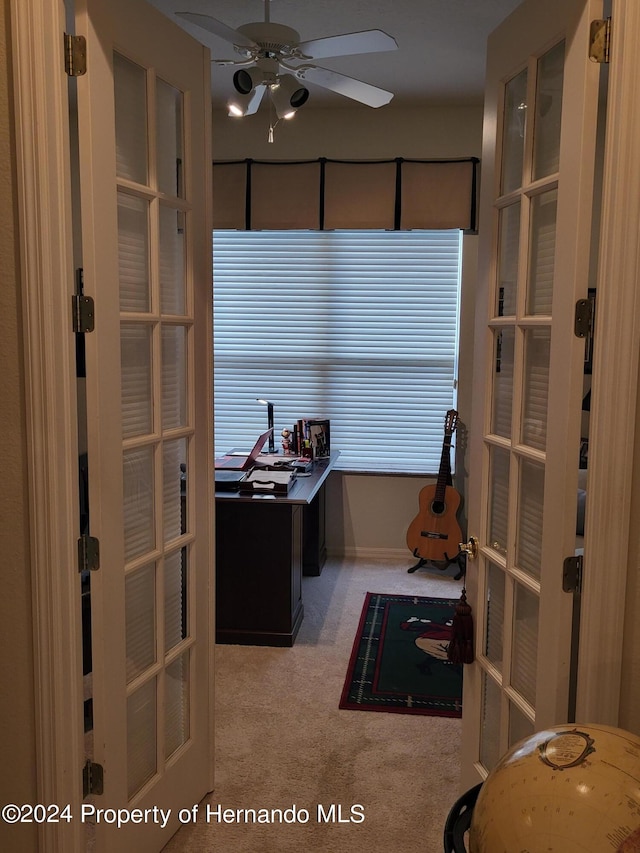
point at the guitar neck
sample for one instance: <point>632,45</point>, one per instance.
<point>445,468</point>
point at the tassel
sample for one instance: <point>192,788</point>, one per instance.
<point>461,644</point>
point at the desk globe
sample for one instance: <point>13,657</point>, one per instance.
<point>569,789</point>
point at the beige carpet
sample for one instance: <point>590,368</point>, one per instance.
<point>282,742</point>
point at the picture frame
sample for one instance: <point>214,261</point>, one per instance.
<point>320,437</point>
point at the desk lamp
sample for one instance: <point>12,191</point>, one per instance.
<point>272,441</point>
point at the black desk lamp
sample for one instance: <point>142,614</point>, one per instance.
<point>272,442</point>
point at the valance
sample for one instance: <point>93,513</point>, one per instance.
<point>323,194</point>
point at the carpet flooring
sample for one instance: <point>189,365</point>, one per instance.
<point>282,740</point>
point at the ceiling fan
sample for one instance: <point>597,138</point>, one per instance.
<point>272,58</point>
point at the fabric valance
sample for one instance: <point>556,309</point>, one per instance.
<point>324,194</point>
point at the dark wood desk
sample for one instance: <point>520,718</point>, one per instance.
<point>263,546</point>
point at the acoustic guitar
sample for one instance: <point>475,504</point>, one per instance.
<point>434,534</point>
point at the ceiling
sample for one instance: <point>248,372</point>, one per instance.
<point>441,43</point>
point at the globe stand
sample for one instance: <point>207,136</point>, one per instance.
<point>459,820</point>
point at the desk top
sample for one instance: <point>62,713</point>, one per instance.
<point>303,490</point>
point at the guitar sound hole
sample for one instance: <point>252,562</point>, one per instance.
<point>437,507</point>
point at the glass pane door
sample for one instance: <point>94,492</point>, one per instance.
<point>143,115</point>
<point>521,508</point>
<point>516,440</point>
<point>155,334</point>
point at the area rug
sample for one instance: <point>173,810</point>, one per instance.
<point>399,658</point>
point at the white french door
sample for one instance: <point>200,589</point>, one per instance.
<point>143,117</point>
<point>535,231</point>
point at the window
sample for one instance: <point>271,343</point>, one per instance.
<point>360,327</point>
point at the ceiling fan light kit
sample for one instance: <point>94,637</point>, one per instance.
<point>246,79</point>
<point>245,105</point>
<point>288,95</point>
<point>272,58</point>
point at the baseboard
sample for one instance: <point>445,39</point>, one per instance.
<point>358,552</point>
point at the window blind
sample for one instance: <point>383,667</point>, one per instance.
<point>359,327</point>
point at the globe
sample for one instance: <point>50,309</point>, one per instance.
<point>569,789</point>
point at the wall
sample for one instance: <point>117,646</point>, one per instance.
<point>17,726</point>
<point>369,515</point>
<point>358,133</point>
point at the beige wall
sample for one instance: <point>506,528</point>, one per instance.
<point>358,133</point>
<point>368,514</point>
<point>17,727</point>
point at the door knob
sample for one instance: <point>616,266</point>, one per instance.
<point>470,548</point>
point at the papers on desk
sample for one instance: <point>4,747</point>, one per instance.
<point>284,463</point>
<point>274,459</point>
<point>271,482</point>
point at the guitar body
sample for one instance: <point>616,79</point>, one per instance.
<point>434,534</point>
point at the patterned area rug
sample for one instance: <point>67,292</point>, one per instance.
<point>399,659</point>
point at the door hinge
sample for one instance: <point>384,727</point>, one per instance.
<point>83,313</point>
<point>92,778</point>
<point>600,40</point>
<point>88,553</point>
<point>75,55</point>
<point>572,574</point>
<point>583,321</point>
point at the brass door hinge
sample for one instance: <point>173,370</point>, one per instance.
<point>600,40</point>
<point>583,318</point>
<point>83,313</point>
<point>88,553</point>
<point>572,574</point>
<point>75,55</point>
<point>92,778</point>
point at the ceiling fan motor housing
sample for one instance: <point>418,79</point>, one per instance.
<point>272,38</point>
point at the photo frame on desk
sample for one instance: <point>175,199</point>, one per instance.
<point>320,437</point>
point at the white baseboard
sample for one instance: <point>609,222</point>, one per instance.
<point>359,552</point>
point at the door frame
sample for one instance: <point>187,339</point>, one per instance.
<point>47,283</point>
<point>612,442</point>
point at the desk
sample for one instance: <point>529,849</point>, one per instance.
<point>263,545</point>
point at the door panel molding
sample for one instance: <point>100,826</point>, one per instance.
<point>42,156</point>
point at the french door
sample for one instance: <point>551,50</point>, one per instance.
<point>144,139</point>
<point>535,230</point>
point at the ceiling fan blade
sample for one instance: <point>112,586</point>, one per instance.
<point>367,41</point>
<point>246,104</point>
<point>255,100</point>
<point>367,94</point>
<point>213,25</point>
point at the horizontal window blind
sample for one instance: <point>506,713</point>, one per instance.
<point>359,327</point>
